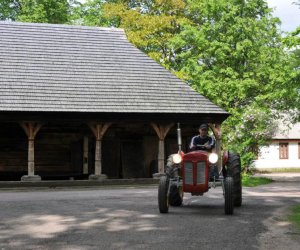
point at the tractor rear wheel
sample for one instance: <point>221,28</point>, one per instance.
<point>175,196</point>
<point>234,170</point>
<point>163,187</point>
<point>228,188</point>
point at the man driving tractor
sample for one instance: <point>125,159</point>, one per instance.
<point>206,143</point>
<point>202,141</point>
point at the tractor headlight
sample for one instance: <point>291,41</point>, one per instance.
<point>213,158</point>
<point>177,158</point>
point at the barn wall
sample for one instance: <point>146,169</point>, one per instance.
<point>58,153</point>
<point>128,151</point>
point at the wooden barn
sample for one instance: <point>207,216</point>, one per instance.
<point>84,102</point>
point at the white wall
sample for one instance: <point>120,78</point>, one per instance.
<point>269,157</point>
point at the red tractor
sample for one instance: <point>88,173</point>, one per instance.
<point>196,172</point>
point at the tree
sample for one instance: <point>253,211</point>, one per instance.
<point>89,13</point>
<point>292,42</point>
<point>9,9</point>
<point>44,11</point>
<point>232,53</point>
<point>37,11</point>
<point>149,24</point>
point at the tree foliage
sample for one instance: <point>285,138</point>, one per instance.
<point>233,54</point>
<point>292,42</point>
<point>89,13</point>
<point>36,11</point>
<point>9,9</point>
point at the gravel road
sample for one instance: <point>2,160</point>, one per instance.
<point>128,218</point>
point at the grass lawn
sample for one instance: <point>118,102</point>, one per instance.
<point>250,181</point>
<point>295,216</point>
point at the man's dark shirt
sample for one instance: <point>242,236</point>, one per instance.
<point>197,140</point>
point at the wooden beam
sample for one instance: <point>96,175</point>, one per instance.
<point>98,130</point>
<point>161,131</point>
<point>31,129</point>
<point>216,129</point>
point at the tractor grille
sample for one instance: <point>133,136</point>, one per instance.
<point>188,173</point>
<point>201,172</point>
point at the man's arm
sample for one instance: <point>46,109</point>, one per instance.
<point>210,144</point>
<point>193,144</point>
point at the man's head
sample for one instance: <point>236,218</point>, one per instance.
<point>203,130</point>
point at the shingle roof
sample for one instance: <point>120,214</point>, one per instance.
<point>56,68</point>
<point>286,132</point>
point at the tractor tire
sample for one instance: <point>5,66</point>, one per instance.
<point>229,196</point>
<point>170,169</point>
<point>234,170</point>
<point>163,202</point>
<point>175,196</point>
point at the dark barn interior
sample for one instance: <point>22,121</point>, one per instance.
<point>128,150</point>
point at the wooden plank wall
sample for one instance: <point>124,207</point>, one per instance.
<point>58,153</point>
<point>13,148</point>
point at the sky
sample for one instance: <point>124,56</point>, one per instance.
<point>288,13</point>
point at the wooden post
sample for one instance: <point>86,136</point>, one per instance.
<point>161,131</point>
<point>161,156</point>
<point>31,129</point>
<point>30,157</point>
<point>85,154</point>
<point>98,157</point>
<point>99,130</point>
<point>216,128</point>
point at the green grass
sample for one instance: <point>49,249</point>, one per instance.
<point>250,181</point>
<point>295,216</point>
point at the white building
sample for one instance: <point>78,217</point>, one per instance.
<point>283,151</point>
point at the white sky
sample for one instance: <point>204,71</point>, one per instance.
<point>288,13</point>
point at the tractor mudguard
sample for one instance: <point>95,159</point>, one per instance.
<point>225,157</point>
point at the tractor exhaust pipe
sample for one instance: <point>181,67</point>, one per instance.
<point>179,137</point>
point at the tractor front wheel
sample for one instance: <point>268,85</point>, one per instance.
<point>163,187</point>
<point>228,193</point>
<point>175,196</point>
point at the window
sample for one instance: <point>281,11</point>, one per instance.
<point>299,150</point>
<point>283,150</point>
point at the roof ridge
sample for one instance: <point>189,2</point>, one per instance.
<point>68,26</point>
